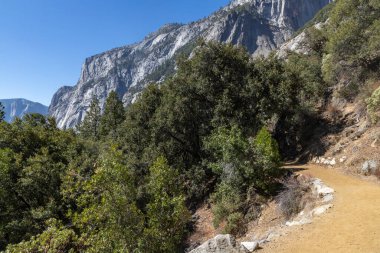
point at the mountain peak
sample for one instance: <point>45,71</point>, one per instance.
<point>18,107</point>
<point>261,27</point>
<point>235,3</point>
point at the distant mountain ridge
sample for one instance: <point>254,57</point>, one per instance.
<point>259,25</point>
<point>18,107</point>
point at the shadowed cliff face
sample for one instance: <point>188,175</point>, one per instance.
<point>259,25</point>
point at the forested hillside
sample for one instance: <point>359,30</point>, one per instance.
<point>128,179</point>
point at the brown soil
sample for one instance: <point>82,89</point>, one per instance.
<point>270,219</point>
<point>352,225</point>
<point>204,228</point>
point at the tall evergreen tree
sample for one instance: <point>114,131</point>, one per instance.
<point>114,115</point>
<point>90,127</point>
<point>167,213</point>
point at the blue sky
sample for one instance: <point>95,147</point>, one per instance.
<point>43,43</point>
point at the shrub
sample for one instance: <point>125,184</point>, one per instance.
<point>353,48</point>
<point>167,215</point>
<point>231,151</point>
<point>373,105</point>
<point>267,161</point>
<point>349,91</point>
<point>291,199</point>
<point>235,224</point>
<point>55,238</point>
<point>316,39</point>
<point>227,200</point>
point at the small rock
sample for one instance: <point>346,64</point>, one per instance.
<point>322,209</point>
<point>362,128</point>
<point>272,236</point>
<point>251,246</point>
<point>328,198</point>
<point>369,167</point>
<point>302,221</point>
<point>195,218</point>
<point>321,188</point>
<point>373,144</point>
<point>343,159</point>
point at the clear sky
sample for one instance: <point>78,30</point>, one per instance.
<point>43,43</point>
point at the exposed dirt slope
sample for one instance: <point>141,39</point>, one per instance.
<point>352,225</point>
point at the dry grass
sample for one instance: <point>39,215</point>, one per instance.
<point>377,173</point>
<point>295,196</point>
<point>204,228</point>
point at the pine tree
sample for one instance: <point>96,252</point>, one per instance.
<point>91,123</point>
<point>167,213</point>
<point>114,115</point>
<point>268,160</point>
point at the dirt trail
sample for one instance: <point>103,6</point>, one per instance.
<point>352,225</point>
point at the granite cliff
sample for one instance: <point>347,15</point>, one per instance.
<point>259,25</point>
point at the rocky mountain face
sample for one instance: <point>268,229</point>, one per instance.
<point>259,25</point>
<point>18,107</point>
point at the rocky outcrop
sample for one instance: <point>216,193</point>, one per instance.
<point>259,25</point>
<point>221,244</point>
<point>299,44</point>
<point>18,107</point>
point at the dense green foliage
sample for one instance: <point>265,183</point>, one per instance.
<point>353,48</point>
<point>167,213</point>
<point>244,167</point>
<point>56,238</point>
<point>34,156</point>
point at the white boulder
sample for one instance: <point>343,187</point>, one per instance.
<point>221,244</point>
<point>321,209</point>
<point>250,246</point>
<point>369,167</point>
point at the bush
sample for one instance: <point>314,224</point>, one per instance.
<point>243,168</point>
<point>353,35</point>
<point>55,238</point>
<point>227,200</point>
<point>316,39</point>
<point>291,199</point>
<point>349,91</point>
<point>167,215</point>
<point>267,161</point>
<point>373,106</point>
<point>235,224</point>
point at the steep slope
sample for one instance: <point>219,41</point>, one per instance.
<point>259,25</point>
<point>18,107</point>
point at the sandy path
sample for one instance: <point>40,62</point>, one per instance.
<point>352,225</point>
